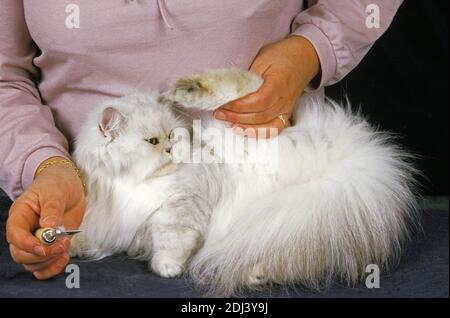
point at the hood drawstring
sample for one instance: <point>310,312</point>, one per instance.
<point>164,14</point>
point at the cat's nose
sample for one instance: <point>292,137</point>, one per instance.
<point>168,148</point>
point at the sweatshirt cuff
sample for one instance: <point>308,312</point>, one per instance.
<point>35,159</point>
<point>325,52</point>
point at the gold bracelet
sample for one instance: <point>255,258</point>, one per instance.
<point>64,162</point>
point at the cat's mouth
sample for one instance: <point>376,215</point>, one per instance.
<point>165,169</point>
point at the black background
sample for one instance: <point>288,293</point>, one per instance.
<point>402,86</point>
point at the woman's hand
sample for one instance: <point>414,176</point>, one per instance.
<point>287,67</point>
<point>56,197</point>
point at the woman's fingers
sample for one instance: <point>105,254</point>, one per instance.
<point>55,198</point>
<point>36,267</point>
<point>44,261</point>
<point>267,130</point>
<point>23,257</point>
<point>52,213</point>
<point>259,101</point>
<point>247,118</point>
<point>18,232</point>
<point>257,108</point>
<point>54,268</point>
<point>255,102</point>
<point>19,229</point>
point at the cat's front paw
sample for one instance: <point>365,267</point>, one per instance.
<point>190,85</point>
<point>166,266</point>
<point>191,92</point>
<point>210,90</point>
<point>76,246</point>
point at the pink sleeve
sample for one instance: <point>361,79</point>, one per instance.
<point>339,32</point>
<point>27,131</point>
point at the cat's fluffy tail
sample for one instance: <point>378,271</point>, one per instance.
<point>359,213</point>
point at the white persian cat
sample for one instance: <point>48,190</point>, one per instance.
<point>340,199</point>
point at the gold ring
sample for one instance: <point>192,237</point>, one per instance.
<point>282,119</point>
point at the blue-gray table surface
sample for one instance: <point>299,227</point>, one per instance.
<point>423,271</point>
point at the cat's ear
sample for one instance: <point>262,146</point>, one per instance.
<point>111,123</point>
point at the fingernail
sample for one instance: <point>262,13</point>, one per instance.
<point>57,249</point>
<point>238,130</point>
<point>39,250</point>
<point>220,115</point>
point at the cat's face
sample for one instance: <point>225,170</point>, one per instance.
<point>133,137</point>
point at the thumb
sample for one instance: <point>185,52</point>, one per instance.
<point>52,214</point>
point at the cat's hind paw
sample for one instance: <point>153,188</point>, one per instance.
<point>258,276</point>
<point>166,266</point>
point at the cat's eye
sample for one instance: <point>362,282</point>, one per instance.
<point>154,141</point>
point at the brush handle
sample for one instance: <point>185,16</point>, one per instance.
<point>46,235</point>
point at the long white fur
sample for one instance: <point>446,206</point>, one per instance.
<point>342,199</point>
<point>123,191</point>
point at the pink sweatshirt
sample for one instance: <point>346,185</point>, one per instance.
<point>52,72</point>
